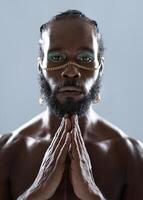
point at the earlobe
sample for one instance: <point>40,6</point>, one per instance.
<point>39,68</point>
<point>39,64</point>
<point>101,66</point>
<point>102,60</point>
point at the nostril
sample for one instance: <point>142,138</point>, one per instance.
<point>71,72</point>
<point>77,76</point>
<point>71,75</point>
<point>64,75</point>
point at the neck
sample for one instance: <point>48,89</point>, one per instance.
<point>52,122</point>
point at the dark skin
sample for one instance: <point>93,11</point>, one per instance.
<point>74,157</point>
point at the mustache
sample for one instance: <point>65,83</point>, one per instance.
<point>45,87</point>
<point>70,83</point>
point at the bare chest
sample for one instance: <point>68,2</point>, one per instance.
<point>107,171</point>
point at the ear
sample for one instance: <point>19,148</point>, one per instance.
<point>39,64</point>
<point>101,66</point>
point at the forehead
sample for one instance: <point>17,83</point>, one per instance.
<point>70,34</point>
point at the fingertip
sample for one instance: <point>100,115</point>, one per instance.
<point>66,116</point>
<point>63,120</point>
<point>74,118</point>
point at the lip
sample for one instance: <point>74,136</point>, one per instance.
<point>76,96</point>
<point>70,92</point>
<point>69,89</point>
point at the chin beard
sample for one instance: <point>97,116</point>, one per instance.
<point>69,106</point>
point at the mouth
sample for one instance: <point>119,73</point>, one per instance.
<point>70,89</point>
<point>72,92</point>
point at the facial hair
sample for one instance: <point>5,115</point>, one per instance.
<point>69,106</point>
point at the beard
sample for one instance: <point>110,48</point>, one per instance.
<point>69,106</point>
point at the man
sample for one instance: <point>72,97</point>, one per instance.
<point>69,152</point>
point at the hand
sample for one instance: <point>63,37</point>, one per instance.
<point>53,165</point>
<point>81,170</point>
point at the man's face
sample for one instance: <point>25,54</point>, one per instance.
<point>69,90</point>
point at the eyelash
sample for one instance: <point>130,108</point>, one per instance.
<point>64,57</point>
<point>82,59</point>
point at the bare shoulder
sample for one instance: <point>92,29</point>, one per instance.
<point>4,138</point>
<point>128,153</point>
<point>8,149</point>
<point>121,154</point>
<point>30,131</point>
<point>14,145</point>
<point>130,148</point>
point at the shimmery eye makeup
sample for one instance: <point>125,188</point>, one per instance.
<point>85,56</point>
<point>84,59</point>
<point>56,56</point>
<point>71,63</point>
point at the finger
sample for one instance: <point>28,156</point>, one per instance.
<point>58,132</point>
<point>53,151</point>
<point>56,139</point>
<point>74,120</point>
<point>60,143</point>
<point>64,127</point>
<point>70,150</point>
<point>64,150</point>
<point>79,135</point>
<point>75,146</point>
<point>69,126</point>
<point>73,117</point>
<point>81,144</point>
<point>75,123</point>
<point>61,139</point>
<point>77,128</point>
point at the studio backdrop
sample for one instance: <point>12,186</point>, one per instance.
<point>120,23</point>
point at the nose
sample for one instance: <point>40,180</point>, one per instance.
<point>71,71</point>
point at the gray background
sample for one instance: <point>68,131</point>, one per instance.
<point>121,25</point>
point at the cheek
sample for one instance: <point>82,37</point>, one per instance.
<point>50,80</point>
<point>89,82</point>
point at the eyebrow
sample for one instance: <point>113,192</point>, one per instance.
<point>86,49</point>
<point>55,49</point>
<point>80,49</point>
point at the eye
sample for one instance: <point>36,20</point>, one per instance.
<point>85,57</point>
<point>56,56</point>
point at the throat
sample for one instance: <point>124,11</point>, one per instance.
<point>51,122</point>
